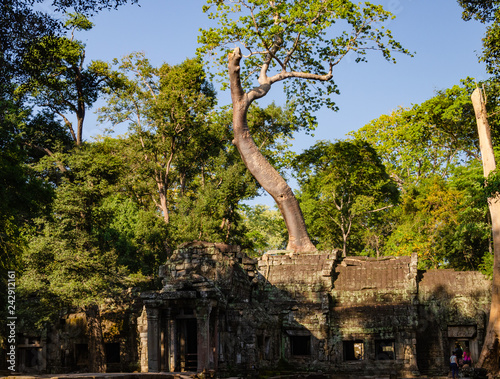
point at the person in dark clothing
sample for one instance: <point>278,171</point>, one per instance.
<point>458,351</point>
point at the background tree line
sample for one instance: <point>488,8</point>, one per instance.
<point>80,221</point>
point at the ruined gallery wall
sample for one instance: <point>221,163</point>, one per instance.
<point>373,305</point>
<point>63,347</point>
<point>403,319</point>
<point>453,306</point>
<point>304,280</point>
<point>314,311</point>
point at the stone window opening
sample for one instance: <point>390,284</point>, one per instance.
<point>112,352</point>
<point>354,350</point>
<point>300,345</point>
<point>385,350</point>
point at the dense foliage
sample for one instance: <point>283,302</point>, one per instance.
<point>344,186</point>
<point>432,151</point>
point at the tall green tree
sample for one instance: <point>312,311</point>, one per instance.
<point>59,81</point>
<point>342,185</point>
<point>167,109</point>
<point>468,243</point>
<point>444,221</point>
<point>72,260</point>
<point>432,150</point>
<point>295,43</point>
<point>132,226</point>
<point>23,195</point>
<point>487,12</point>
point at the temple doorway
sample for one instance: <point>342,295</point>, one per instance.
<point>187,332</point>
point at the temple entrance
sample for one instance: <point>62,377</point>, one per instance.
<point>187,332</point>
<point>464,336</point>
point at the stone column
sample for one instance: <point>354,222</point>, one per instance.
<point>171,343</point>
<point>203,311</point>
<point>215,339</point>
<point>142,328</point>
<point>153,339</point>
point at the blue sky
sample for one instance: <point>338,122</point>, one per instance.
<point>445,46</point>
<point>446,51</point>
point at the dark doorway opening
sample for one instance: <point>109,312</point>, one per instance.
<point>188,344</point>
<point>81,354</point>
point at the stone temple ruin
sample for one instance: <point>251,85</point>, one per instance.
<point>221,311</point>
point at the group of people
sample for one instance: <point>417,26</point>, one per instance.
<point>459,358</point>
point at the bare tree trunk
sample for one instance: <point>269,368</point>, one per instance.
<point>489,358</point>
<point>80,102</point>
<point>261,169</point>
<point>162,192</point>
<point>97,354</point>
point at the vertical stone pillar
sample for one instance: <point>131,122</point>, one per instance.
<point>215,339</point>
<point>153,315</point>
<point>172,343</point>
<point>203,311</point>
<point>142,328</point>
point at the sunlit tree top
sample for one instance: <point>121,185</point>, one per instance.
<point>304,39</point>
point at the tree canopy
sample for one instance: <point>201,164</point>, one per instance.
<point>284,40</point>
<point>343,184</point>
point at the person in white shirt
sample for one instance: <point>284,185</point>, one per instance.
<point>454,365</point>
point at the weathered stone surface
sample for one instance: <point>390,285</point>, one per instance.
<point>221,311</point>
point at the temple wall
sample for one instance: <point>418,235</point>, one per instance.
<point>221,311</point>
<point>373,307</point>
<point>453,306</point>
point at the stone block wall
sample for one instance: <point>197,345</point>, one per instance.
<point>317,311</point>
<point>202,265</point>
<point>372,307</point>
<point>362,280</point>
<point>305,280</point>
<point>286,270</point>
<point>453,307</point>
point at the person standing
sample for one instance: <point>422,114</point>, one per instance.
<point>454,365</point>
<point>459,353</point>
<point>467,358</point>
